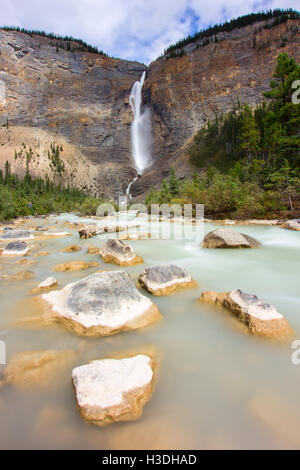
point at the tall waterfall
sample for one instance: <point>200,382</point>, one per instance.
<point>141,131</point>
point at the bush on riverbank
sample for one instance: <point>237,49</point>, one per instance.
<point>251,156</point>
<point>44,196</point>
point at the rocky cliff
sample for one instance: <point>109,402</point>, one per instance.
<point>79,102</point>
<point>76,100</point>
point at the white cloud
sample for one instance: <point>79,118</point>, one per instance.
<point>133,29</point>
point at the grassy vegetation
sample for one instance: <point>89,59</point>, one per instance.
<point>45,197</point>
<point>250,158</point>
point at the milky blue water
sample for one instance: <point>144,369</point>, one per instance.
<point>217,387</point>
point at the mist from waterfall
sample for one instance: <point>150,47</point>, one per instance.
<point>141,129</point>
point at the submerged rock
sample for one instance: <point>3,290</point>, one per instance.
<point>42,253</point>
<point>49,283</point>
<point>21,276</point>
<point>36,368</point>
<point>93,250</point>
<point>16,235</point>
<point>136,236</point>
<point>74,266</point>
<point>72,249</point>
<point>113,390</point>
<point>165,279</point>
<point>228,238</point>
<point>117,252</point>
<point>16,248</point>
<point>100,305</point>
<point>293,224</point>
<point>261,318</point>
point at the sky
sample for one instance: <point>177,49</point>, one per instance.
<point>129,29</point>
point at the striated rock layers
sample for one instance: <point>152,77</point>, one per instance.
<point>79,102</point>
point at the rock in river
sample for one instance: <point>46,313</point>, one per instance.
<point>16,249</point>
<point>261,318</point>
<point>16,235</point>
<point>117,252</point>
<point>293,224</point>
<point>165,279</point>
<point>100,305</point>
<point>228,238</point>
<point>72,249</point>
<point>75,266</point>
<point>20,276</point>
<point>37,368</point>
<point>113,390</point>
<point>49,283</point>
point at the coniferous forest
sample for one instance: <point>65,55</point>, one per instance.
<point>248,160</point>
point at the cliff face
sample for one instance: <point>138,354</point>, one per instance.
<point>79,101</point>
<point>186,92</point>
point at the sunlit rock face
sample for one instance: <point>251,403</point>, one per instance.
<point>77,99</point>
<point>81,101</point>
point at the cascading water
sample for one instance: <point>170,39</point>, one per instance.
<point>141,131</point>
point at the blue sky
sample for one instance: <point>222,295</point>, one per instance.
<point>130,29</point>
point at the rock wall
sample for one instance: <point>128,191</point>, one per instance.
<point>76,97</point>
<point>81,101</point>
<point>186,92</point>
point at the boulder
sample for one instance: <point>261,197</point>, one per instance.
<point>72,249</point>
<point>49,283</point>
<point>117,252</point>
<point>261,318</point>
<point>21,276</point>
<point>6,229</point>
<point>293,224</point>
<point>16,249</point>
<point>101,304</point>
<point>113,390</point>
<point>228,238</point>
<point>36,368</point>
<point>75,266</point>
<point>40,228</point>
<point>90,231</point>
<point>165,279</point>
<point>16,235</point>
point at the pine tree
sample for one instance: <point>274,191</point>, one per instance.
<point>174,184</point>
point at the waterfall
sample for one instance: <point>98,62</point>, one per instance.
<point>141,131</point>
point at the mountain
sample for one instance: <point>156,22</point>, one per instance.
<point>64,104</point>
